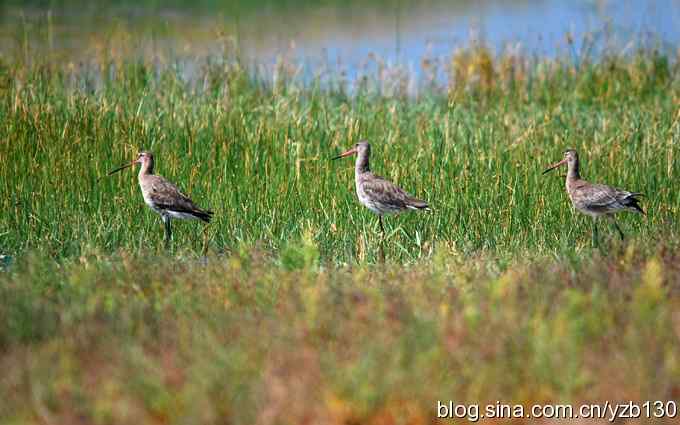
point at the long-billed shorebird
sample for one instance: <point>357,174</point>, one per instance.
<point>164,197</point>
<point>376,193</point>
<point>595,200</point>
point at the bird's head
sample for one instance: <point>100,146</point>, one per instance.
<point>143,158</point>
<point>570,157</point>
<point>362,148</point>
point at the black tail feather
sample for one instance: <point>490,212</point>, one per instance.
<point>634,203</point>
<point>417,204</point>
<point>204,216</point>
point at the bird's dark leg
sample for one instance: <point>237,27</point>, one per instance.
<point>204,251</point>
<point>613,220</point>
<point>595,241</point>
<point>382,240</point>
<point>168,232</point>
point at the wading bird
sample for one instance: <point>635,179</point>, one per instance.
<point>164,197</point>
<point>374,192</point>
<point>595,200</point>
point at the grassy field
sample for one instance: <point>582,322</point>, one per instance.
<point>280,313</point>
<point>257,153</point>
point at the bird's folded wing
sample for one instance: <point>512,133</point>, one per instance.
<point>599,195</point>
<point>167,196</point>
<point>383,190</point>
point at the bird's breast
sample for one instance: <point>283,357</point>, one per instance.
<point>148,198</point>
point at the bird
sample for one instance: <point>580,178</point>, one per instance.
<point>376,193</point>
<point>596,200</point>
<point>164,197</point>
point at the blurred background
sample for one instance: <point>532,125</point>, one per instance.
<point>345,37</point>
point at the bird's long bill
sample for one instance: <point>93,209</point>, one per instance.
<point>552,167</point>
<point>121,168</point>
<point>344,154</point>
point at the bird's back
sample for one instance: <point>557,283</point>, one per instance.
<point>164,197</point>
<point>384,197</point>
<point>596,199</point>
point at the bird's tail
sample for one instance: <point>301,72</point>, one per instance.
<point>633,203</point>
<point>417,204</point>
<point>203,215</point>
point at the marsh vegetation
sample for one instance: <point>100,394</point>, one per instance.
<point>285,315</point>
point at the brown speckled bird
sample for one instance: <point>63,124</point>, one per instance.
<point>595,200</point>
<point>376,193</point>
<point>164,197</point>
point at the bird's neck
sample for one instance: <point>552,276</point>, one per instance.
<point>362,165</point>
<point>146,169</point>
<point>572,171</point>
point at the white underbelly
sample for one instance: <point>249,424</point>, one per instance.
<point>180,215</point>
<point>588,212</point>
<point>584,209</point>
<point>166,212</point>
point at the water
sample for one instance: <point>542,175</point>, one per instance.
<point>349,37</point>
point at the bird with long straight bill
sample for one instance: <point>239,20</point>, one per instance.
<point>376,193</point>
<point>164,197</point>
<point>595,200</point>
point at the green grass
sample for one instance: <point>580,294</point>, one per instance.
<point>259,157</point>
<point>282,313</point>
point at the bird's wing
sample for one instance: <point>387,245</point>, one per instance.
<point>168,196</point>
<point>386,192</point>
<point>597,195</point>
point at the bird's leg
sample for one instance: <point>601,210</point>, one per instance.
<point>168,232</point>
<point>382,240</point>
<point>595,241</point>
<point>206,236</point>
<point>613,220</point>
